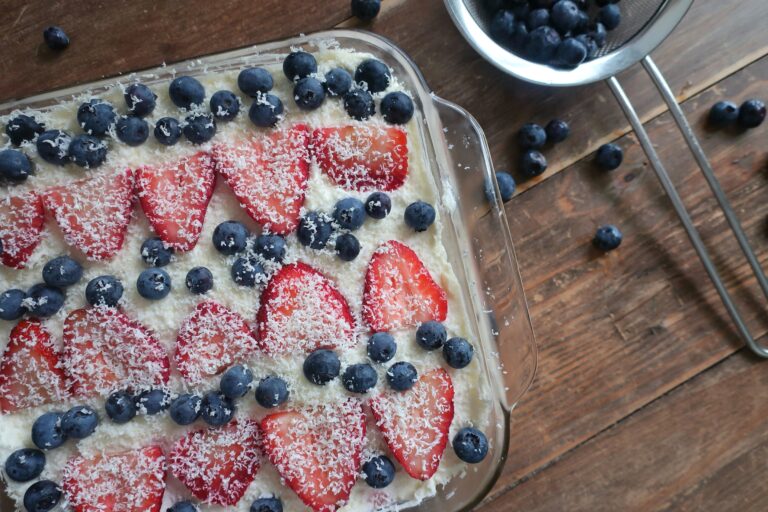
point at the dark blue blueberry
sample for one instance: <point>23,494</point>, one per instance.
<point>153,401</point>
<point>537,18</point>
<point>199,280</point>
<point>533,163</point>
<point>589,43</point>
<point>132,130</point>
<point>185,409</point>
<point>96,117</point>
<point>374,74</point>
<point>224,105</point>
<point>419,215</point>
<point>120,407</point>
<point>270,247</point>
<point>531,135</point>
<point>381,347</point>
<point>236,381</point>
<point>458,352</point>
<point>248,272</point>
<point>365,10</point>
<point>397,108</point>
<point>338,82</point>
<point>42,496</point>
<point>23,128</point>
<point>25,464</point>
<point>751,113</point>
<point>582,23</point>
<point>53,146</point>
<point>230,237</point>
<point>299,65</point>
<point>565,16</point>
<point>104,291</point>
<point>507,187</point>
<point>470,445</point>
<point>266,110</point>
<point>267,505</point>
<point>379,471</point>
<point>216,409</point>
<point>186,91</point>
<point>309,93</point>
<point>347,246</point>
<point>402,376</point>
<point>349,213</point>
<point>183,506</point>
<point>271,392</point>
<point>541,44</point>
<point>378,205</point>
<point>154,284</point>
<point>431,335</point>
<point>140,99</point>
<point>12,304</point>
<point>15,166</point>
<point>723,113</point>
<point>359,104</point>
<point>44,301</point>
<point>502,28</point>
<point>571,52</point>
<point>62,271</point>
<point>199,128</point>
<point>557,131</point>
<point>609,156</point>
<point>255,81</point>
<point>607,238</point>
<point>520,37</point>
<point>599,34</point>
<point>46,431</point>
<point>87,151</point>
<point>167,131</point>
<point>314,230</point>
<point>322,366</point>
<point>359,378</point>
<point>610,16</point>
<point>155,253</point>
<point>79,422</point>
<point>55,38</point>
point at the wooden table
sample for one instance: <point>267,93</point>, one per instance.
<point>645,398</point>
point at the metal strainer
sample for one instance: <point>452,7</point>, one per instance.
<point>645,24</point>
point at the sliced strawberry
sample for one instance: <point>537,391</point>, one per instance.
<point>269,174</point>
<point>415,423</point>
<point>94,213</point>
<point>128,481</point>
<point>317,451</point>
<point>302,311</point>
<point>210,340</point>
<point>30,371</point>
<point>399,291</point>
<point>218,464</point>
<point>175,198</point>
<point>362,158</point>
<point>104,350</point>
<point>21,228</point>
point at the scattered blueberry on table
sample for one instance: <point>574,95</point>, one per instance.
<point>609,156</point>
<point>533,163</point>
<point>607,238</point>
<point>55,38</point>
<point>532,136</point>
<point>557,131</point>
<point>507,187</point>
<point>751,113</point>
<point>365,10</point>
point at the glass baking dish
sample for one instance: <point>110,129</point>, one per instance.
<point>476,234</point>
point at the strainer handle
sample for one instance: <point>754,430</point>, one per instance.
<point>677,202</point>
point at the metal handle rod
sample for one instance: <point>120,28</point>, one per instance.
<point>683,214</point>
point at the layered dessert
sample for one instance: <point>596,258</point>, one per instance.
<point>230,292</point>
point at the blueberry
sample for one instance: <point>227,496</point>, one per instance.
<point>185,409</point>
<point>571,52</point>
<point>42,496</point>
<point>599,34</point>
<point>365,10</point>
<point>402,376</point>
<point>62,271</point>
<point>609,16</point>
<point>379,471</point>
<point>46,431</point>
<point>154,284</point>
<point>55,38</point>
<point>321,366</point>
<point>378,205</point>
<point>183,506</point>
<point>541,44</point>
<point>397,108</point>
<point>723,113</point>
<point>751,113</point>
<point>199,280</point>
<point>53,146</point>
<point>248,272</point>
<point>271,392</point>
<point>532,136</point>
<point>167,131</point>
<point>533,163</point>
<point>87,151</point>
<point>347,246</point>
<point>120,407</point>
<point>155,253</point>
<point>104,291</point>
<point>270,247</point>
<point>186,91</point>
<point>236,381</point>
<point>349,213</point>
<point>25,464</point>
<point>224,105</point>
<point>267,505</point>
<point>96,117</point>
<point>589,43</point>
<point>140,99</point>
<point>44,301</point>
<point>255,81</point>
<point>470,445</point>
<point>79,422</point>
<point>537,18</point>
<point>565,16</point>
<point>502,28</point>
<point>609,156</point>
<point>419,215</point>
<point>359,378</point>
<point>520,37</point>
<point>266,111</point>
<point>338,82</point>
<point>299,65</point>
<point>507,187</point>
<point>308,93</point>
<point>15,166</point>
<point>23,128</point>
<point>374,74</point>
<point>458,352</point>
<point>381,347</point>
<point>199,128</point>
<point>359,104</point>
<point>216,409</point>
<point>132,130</point>
<point>431,335</point>
<point>153,401</point>
<point>557,131</point>
<point>314,230</point>
<point>582,23</point>
<point>230,237</point>
<point>12,304</point>
<point>607,238</point>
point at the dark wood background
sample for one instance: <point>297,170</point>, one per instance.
<point>645,398</point>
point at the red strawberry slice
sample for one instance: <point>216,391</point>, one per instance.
<point>218,464</point>
<point>128,481</point>
<point>104,350</point>
<point>302,311</point>
<point>362,158</point>
<point>94,213</point>
<point>415,423</point>
<point>269,174</point>
<point>317,451</point>
<point>175,198</point>
<point>30,371</point>
<point>21,228</point>
<point>399,291</point>
<point>210,340</point>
